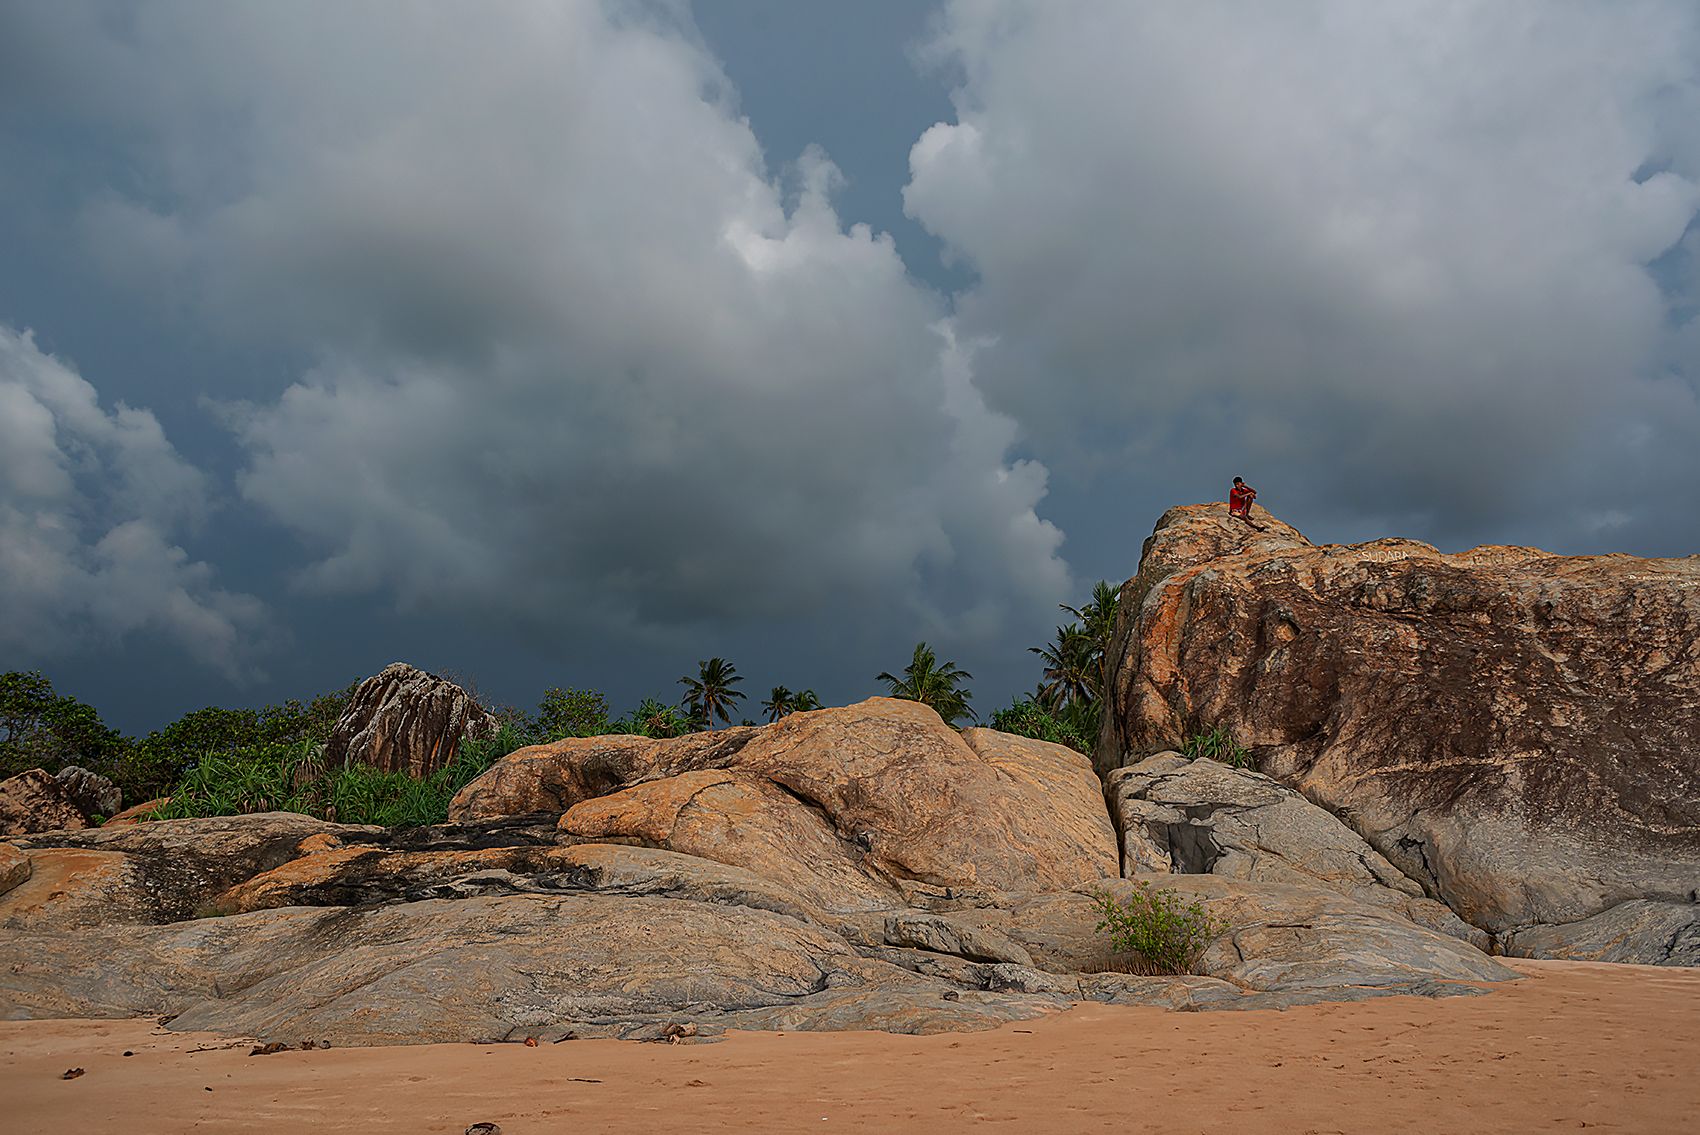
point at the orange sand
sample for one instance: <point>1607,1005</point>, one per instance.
<point>1575,1045</point>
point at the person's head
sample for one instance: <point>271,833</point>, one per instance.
<point>1237,481</point>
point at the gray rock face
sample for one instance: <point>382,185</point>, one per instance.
<point>1512,728</point>
<point>1642,931</point>
<point>92,793</point>
<point>405,720</point>
<point>34,801</point>
<point>1203,817</point>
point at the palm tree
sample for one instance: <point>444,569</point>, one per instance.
<point>925,681</point>
<point>1098,623</point>
<point>710,694</point>
<point>1071,669</point>
<point>778,703</point>
<point>806,700</point>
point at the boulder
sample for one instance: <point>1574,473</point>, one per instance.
<point>1203,817</point>
<point>34,801</point>
<point>93,794</point>
<point>872,798</point>
<point>1510,728</point>
<point>405,720</point>
<point>1640,931</point>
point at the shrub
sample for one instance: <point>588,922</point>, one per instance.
<point>1163,935</point>
<point>653,718</point>
<point>1029,719</point>
<point>1218,745</point>
<point>294,778</point>
<point>571,713</point>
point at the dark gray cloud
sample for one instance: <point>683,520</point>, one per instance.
<point>1399,260</point>
<point>580,363</point>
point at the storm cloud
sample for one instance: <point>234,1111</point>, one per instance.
<point>1422,267</point>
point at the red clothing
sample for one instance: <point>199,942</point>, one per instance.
<point>1240,498</point>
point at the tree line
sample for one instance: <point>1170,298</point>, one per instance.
<point>40,728</point>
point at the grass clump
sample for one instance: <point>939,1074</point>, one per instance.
<point>295,778</point>
<point>1162,935</point>
<point>1219,745</point>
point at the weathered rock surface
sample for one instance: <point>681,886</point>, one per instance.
<point>91,793</point>
<point>1514,730</point>
<point>14,866</point>
<point>1281,938</point>
<point>34,801</point>
<point>882,792</point>
<point>1641,931</point>
<point>1203,817</point>
<point>156,872</point>
<point>405,720</point>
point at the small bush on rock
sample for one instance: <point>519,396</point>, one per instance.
<point>1029,719</point>
<point>1163,935</point>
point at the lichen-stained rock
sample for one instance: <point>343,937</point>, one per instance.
<point>1203,817</point>
<point>360,874</point>
<point>906,797</point>
<point>1513,729</point>
<point>744,821</point>
<point>93,794</point>
<point>14,866</point>
<point>34,801</point>
<point>159,871</point>
<point>405,720</point>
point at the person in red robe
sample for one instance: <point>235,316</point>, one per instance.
<point>1239,502</point>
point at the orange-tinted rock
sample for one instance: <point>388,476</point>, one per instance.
<point>136,813</point>
<point>405,720</point>
<point>743,821</point>
<point>72,888</point>
<point>350,876</point>
<point>895,791</point>
<point>1513,729</point>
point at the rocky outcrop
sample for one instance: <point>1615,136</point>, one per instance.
<point>405,720</point>
<point>93,794</point>
<point>867,799</point>
<point>865,867</point>
<point>1511,729</point>
<point>34,801</point>
<point>1203,817</point>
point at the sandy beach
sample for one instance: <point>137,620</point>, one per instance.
<point>1573,1046</point>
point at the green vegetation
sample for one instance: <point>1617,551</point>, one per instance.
<point>1218,745</point>
<point>570,713</point>
<point>283,777</point>
<point>931,684</point>
<point>1162,935</point>
<point>782,701</point>
<point>1029,719</point>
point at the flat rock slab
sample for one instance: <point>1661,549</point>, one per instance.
<point>1641,932</point>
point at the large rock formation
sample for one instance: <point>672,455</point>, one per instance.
<point>858,802</point>
<point>405,720</point>
<point>866,867</point>
<point>1514,730</point>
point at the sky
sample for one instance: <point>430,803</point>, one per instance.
<point>570,344</point>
